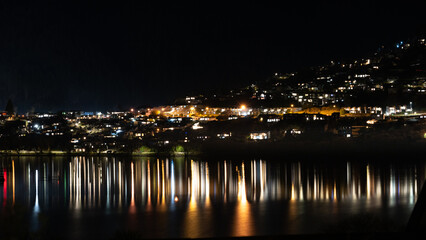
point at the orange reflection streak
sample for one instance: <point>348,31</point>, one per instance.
<point>226,179</point>
<point>192,217</point>
<point>89,184</point>
<point>334,192</point>
<point>163,188</point>
<point>149,184</point>
<point>158,180</point>
<point>207,186</point>
<point>193,185</point>
<point>4,188</point>
<point>368,182</point>
<point>243,225</point>
<point>13,182</point>
<point>132,208</point>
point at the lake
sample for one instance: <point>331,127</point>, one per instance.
<point>103,197</point>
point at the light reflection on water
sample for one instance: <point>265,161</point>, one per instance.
<point>191,198</point>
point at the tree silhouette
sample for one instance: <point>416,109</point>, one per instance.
<point>9,107</point>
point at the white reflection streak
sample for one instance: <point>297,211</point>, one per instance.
<point>108,186</point>
<point>392,184</point>
<point>84,187</point>
<point>70,182</point>
<point>119,184</point>
<point>379,186</point>
<point>348,179</point>
<point>93,189</point>
<point>415,181</point>
<point>193,181</point>
<point>99,182</point>
<point>261,180</point>
<point>172,188</point>
<point>132,200</point>
<point>78,186</point>
<point>36,205</point>
<point>29,183</point>
<point>114,180</point>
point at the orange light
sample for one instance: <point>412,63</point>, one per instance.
<point>243,107</point>
<point>176,199</point>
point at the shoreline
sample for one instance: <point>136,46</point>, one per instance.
<point>294,150</point>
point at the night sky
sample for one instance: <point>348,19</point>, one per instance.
<point>63,56</point>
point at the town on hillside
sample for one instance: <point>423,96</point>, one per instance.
<point>378,98</point>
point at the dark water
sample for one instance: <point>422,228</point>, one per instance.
<point>81,198</point>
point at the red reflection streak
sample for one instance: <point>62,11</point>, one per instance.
<point>4,188</point>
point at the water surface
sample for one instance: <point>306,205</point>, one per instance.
<point>86,197</point>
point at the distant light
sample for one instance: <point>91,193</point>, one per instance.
<point>197,126</point>
<point>131,110</point>
<point>348,135</point>
<point>371,121</point>
<point>243,107</point>
<point>176,199</point>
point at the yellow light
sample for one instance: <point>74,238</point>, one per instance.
<point>243,107</point>
<point>192,108</point>
<point>292,105</point>
<point>176,199</point>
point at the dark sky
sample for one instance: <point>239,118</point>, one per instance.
<point>98,56</point>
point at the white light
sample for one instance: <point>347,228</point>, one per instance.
<point>196,126</point>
